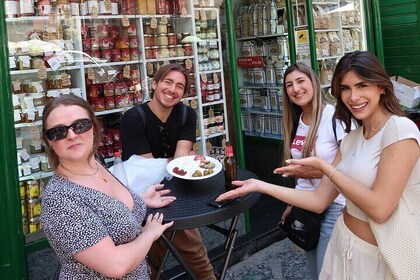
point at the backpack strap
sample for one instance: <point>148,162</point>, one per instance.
<point>142,114</point>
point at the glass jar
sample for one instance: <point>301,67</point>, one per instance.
<point>43,7</point>
<point>34,207</point>
<point>45,164</point>
<point>148,40</point>
<point>27,8</point>
<point>188,50</point>
<point>22,190</point>
<point>11,8</point>
<point>172,39</point>
<point>24,207</point>
<point>75,7</point>
<point>32,189</point>
<point>34,224</point>
<point>162,40</point>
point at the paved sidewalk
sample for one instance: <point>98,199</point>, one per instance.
<point>280,261</point>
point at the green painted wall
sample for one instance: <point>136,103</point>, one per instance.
<point>401,37</point>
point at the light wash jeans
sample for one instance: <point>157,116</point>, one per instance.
<point>315,257</point>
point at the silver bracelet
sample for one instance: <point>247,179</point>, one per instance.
<point>332,173</point>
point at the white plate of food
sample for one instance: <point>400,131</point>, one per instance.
<point>194,167</point>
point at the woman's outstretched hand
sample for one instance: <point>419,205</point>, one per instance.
<point>156,197</point>
<point>241,188</point>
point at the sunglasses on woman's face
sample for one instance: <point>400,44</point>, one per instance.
<point>60,132</point>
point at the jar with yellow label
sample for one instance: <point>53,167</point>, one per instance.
<point>22,190</point>
<point>34,207</point>
<point>32,189</point>
<point>34,224</point>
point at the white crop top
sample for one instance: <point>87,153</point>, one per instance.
<point>360,157</point>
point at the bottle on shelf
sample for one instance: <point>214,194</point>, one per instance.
<point>229,167</point>
<point>118,169</point>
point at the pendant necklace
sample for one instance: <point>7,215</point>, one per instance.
<point>86,174</point>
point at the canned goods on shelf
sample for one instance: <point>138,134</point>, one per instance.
<point>34,207</point>
<point>34,224</point>
<point>32,189</point>
<point>24,206</point>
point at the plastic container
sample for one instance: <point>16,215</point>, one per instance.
<point>118,169</point>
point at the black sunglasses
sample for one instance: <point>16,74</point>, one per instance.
<point>60,132</point>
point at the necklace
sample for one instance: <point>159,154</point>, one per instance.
<point>86,174</point>
<point>376,128</point>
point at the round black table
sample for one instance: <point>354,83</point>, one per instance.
<point>191,210</point>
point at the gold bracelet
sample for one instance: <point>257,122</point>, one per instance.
<point>332,173</point>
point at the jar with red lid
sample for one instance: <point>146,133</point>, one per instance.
<point>133,41</point>
<point>132,29</point>
<point>115,55</point>
<point>119,101</point>
<point>172,39</point>
<point>106,43</point>
<point>134,53</point>
<point>148,40</point>
<point>94,91</point>
<point>123,42</point>
<point>188,50</point>
<point>113,31</point>
<point>109,89</point>
<point>109,103</point>
<point>98,104</point>
<point>27,8</point>
<point>125,54</point>
<point>148,52</point>
<point>106,54</point>
<point>86,44</point>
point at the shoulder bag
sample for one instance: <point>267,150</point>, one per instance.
<point>398,237</point>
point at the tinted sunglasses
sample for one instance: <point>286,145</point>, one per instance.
<point>60,132</point>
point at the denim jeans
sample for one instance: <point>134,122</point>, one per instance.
<point>315,257</point>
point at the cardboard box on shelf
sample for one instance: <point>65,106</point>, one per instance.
<point>407,92</point>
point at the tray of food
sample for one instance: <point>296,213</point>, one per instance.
<point>194,167</point>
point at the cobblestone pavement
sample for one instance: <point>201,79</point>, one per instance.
<point>280,261</point>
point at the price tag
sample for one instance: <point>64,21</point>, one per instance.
<point>125,21</point>
<point>196,148</point>
<point>53,62</point>
<point>91,74</point>
<point>213,14</point>
<point>65,80</point>
<point>108,5</point>
<point>203,15</point>
<point>12,63</point>
<point>35,133</point>
<point>67,15</point>
<point>42,71</point>
<point>163,20</point>
<point>153,23</point>
<point>24,155</point>
<point>185,102</point>
<point>165,62</point>
<point>12,51</point>
<point>16,85</point>
<point>211,113</point>
<point>204,78</point>
<point>184,12</point>
<point>215,78</point>
<point>208,147</point>
<point>26,61</point>
<point>126,71</point>
<point>196,14</point>
<point>149,68</point>
<point>188,64</point>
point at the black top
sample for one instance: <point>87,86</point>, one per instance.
<point>141,137</point>
<point>190,209</point>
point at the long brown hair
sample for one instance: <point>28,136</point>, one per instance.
<point>292,112</point>
<point>166,69</point>
<point>69,100</point>
<point>368,67</point>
